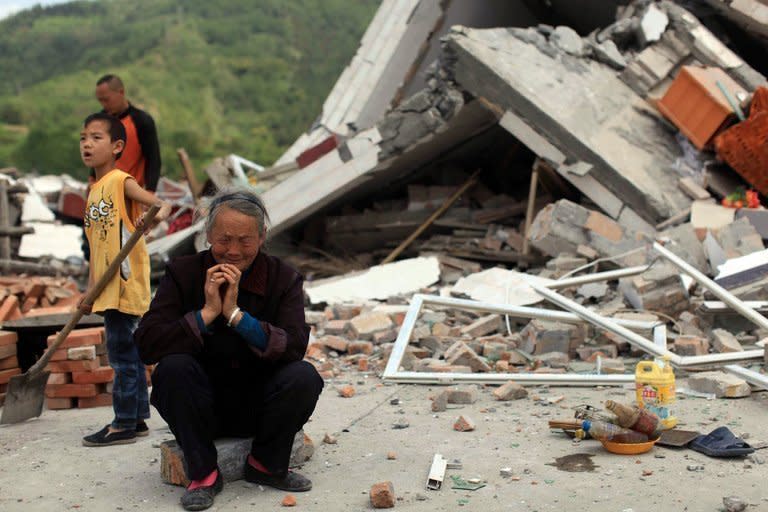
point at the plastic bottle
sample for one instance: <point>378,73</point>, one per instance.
<point>611,432</point>
<point>655,389</point>
<point>635,418</point>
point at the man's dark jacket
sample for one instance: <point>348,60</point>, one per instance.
<point>271,291</point>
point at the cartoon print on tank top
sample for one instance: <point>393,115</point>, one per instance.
<point>103,214</point>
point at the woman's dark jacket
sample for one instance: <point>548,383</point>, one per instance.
<point>270,291</point>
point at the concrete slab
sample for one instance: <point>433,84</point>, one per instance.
<point>580,106</point>
<point>46,468</point>
<point>378,282</point>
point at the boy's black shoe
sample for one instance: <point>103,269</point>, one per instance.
<point>142,429</point>
<point>106,438</point>
<point>290,481</point>
<point>202,497</point>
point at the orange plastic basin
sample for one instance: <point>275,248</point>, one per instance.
<point>628,448</point>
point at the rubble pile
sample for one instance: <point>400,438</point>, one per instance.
<point>571,158</point>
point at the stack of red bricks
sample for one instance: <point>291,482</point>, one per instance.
<point>22,296</point>
<point>80,375</point>
<point>9,364</point>
<point>80,372</point>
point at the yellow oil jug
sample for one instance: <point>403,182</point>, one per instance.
<point>655,390</point>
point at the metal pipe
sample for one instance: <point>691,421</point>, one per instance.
<point>538,379</point>
<point>418,301</point>
<point>526,312</point>
<point>751,376</point>
<point>724,357</point>
<point>403,336</point>
<point>606,323</point>
<point>716,306</point>
<point>640,342</point>
<point>720,292</point>
<point>596,277</point>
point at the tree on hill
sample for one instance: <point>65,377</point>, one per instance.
<point>219,77</point>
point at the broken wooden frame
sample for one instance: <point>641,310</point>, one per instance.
<point>393,374</point>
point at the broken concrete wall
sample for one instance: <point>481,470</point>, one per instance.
<point>579,105</point>
<point>563,226</point>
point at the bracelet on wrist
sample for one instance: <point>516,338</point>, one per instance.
<point>232,317</point>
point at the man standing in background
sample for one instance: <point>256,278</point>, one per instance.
<point>141,156</point>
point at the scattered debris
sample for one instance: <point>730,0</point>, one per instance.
<point>382,495</point>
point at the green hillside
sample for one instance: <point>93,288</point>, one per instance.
<point>218,76</point>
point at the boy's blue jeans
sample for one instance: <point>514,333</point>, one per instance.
<point>130,399</point>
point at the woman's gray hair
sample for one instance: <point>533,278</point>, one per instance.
<point>239,199</point>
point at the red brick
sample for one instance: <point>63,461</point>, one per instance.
<point>9,362</point>
<point>604,226</point>
<point>28,304</point>
<point>80,338</point>
<point>59,403</point>
<point>315,351</point>
<point>100,375</point>
<point>59,355</point>
<point>7,351</point>
<point>34,290</point>
<point>10,309</point>
<point>464,424</point>
<point>347,391</point>
<point>59,378</point>
<point>383,495</point>
<point>6,375</point>
<point>336,343</point>
<point>55,310</point>
<point>288,501</point>
<point>73,366</point>
<point>71,390</point>
<point>100,400</point>
<point>68,302</point>
<point>360,347</point>
<point>338,327</point>
<point>398,318</point>
<point>8,338</point>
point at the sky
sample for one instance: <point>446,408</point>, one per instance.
<point>8,7</point>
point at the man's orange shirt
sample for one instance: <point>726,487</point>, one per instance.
<point>132,160</point>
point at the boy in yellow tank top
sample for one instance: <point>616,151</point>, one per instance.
<point>112,214</point>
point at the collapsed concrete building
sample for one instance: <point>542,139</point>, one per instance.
<point>428,96</point>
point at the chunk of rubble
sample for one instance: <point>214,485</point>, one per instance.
<point>542,336</point>
<point>382,495</point>
<point>724,341</point>
<point>510,391</point>
<point>459,354</point>
<point>464,424</point>
<point>723,385</point>
<point>463,395</point>
<point>689,345</point>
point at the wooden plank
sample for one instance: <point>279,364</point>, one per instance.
<point>5,241</point>
<point>189,172</point>
<point>14,231</point>
<point>443,208</point>
<point>51,322</point>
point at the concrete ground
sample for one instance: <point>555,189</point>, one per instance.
<point>46,468</point>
